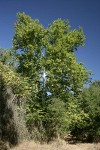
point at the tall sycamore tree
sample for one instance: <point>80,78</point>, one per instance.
<point>51,49</point>
<point>46,57</point>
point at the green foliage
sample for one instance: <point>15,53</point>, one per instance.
<point>8,74</point>
<point>56,121</point>
<point>7,57</point>
<point>50,51</point>
<point>10,78</point>
<point>90,104</point>
<point>62,117</point>
<point>28,35</point>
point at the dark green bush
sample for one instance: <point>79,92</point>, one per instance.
<point>90,103</point>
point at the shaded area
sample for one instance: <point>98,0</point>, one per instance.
<point>8,131</point>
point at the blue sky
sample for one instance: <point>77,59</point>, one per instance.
<point>85,13</point>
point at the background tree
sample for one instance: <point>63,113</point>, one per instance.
<point>90,103</point>
<point>14,90</point>
<point>7,57</point>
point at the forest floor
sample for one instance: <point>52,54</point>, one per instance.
<point>57,145</point>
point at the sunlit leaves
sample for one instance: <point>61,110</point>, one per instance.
<point>51,51</point>
<point>11,78</point>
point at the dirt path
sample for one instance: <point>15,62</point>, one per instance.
<point>61,145</point>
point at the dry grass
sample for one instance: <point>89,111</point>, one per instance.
<point>57,145</point>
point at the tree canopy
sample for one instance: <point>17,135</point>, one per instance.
<point>51,49</point>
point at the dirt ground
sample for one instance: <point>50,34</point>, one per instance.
<point>57,145</point>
